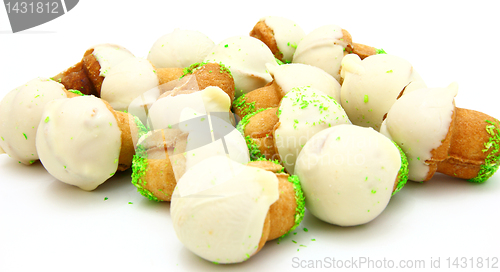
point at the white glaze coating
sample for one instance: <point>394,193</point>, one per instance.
<point>79,141</point>
<point>418,122</point>
<point>304,112</point>
<point>286,33</point>
<point>20,113</point>
<point>212,136</point>
<point>180,49</point>
<point>347,174</point>
<point>219,206</point>
<point>295,75</point>
<point>246,58</point>
<point>109,55</point>
<point>128,80</point>
<point>166,111</point>
<point>371,86</point>
<point>323,48</point>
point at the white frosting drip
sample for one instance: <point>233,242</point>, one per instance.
<point>20,113</point>
<point>304,112</point>
<point>323,48</point>
<point>347,174</point>
<point>219,206</point>
<point>246,58</point>
<point>372,85</point>
<point>418,122</point>
<point>180,49</point>
<point>286,33</point>
<point>128,80</point>
<point>109,55</point>
<point>291,76</point>
<point>79,141</point>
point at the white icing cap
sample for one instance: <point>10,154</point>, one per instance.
<point>79,141</point>
<point>347,174</point>
<point>180,49</point>
<point>323,48</point>
<point>219,207</point>
<point>289,76</point>
<point>372,85</point>
<point>286,33</point>
<point>20,113</point>
<point>304,112</point>
<point>246,58</point>
<point>109,55</point>
<point>418,122</point>
<point>128,80</point>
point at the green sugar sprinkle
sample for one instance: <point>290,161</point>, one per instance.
<point>380,51</point>
<point>366,98</point>
<point>244,107</point>
<point>32,161</point>
<point>294,241</point>
<point>313,240</point>
<point>130,202</point>
<point>140,164</point>
<point>282,170</point>
<point>490,165</point>
<point>306,230</point>
<point>47,119</point>
<point>403,171</point>
<point>253,148</point>
<point>76,92</point>
<point>374,191</point>
<point>390,71</point>
<point>26,137</point>
<point>300,199</point>
<point>106,198</point>
<point>193,67</point>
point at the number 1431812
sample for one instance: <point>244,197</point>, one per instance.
<point>32,7</point>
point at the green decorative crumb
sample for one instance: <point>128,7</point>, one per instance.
<point>380,51</point>
<point>490,165</point>
<point>282,170</point>
<point>244,107</point>
<point>193,67</point>
<point>403,171</point>
<point>76,92</point>
<point>300,199</point>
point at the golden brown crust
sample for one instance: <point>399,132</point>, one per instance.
<point>281,212</point>
<point>264,33</point>
<point>363,51</point>
<point>212,74</point>
<point>260,129</point>
<point>465,155</point>
<point>268,96</point>
<point>128,129</point>
<point>348,39</point>
<point>168,74</point>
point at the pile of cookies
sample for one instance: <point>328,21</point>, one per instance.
<point>243,136</point>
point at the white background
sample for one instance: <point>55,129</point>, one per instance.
<point>45,224</point>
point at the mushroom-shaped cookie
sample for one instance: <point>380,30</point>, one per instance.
<point>281,35</point>
<point>189,127</point>
<point>439,137</point>
<point>324,47</point>
<point>246,58</point>
<point>349,173</point>
<point>20,113</point>
<point>82,141</point>
<point>180,49</point>
<point>285,78</point>
<point>372,85</point>
<point>224,211</point>
<point>87,75</point>
<point>280,133</point>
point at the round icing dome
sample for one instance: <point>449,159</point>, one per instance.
<point>304,112</point>
<point>219,207</point>
<point>20,113</point>
<point>246,58</point>
<point>289,76</point>
<point>180,49</point>
<point>418,122</point>
<point>79,141</point>
<point>128,80</point>
<point>348,174</point>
